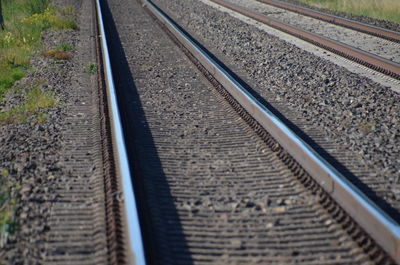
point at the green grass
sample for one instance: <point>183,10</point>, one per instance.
<point>91,68</point>
<point>380,9</point>
<point>64,47</point>
<point>37,7</point>
<point>8,202</point>
<point>25,20</point>
<point>35,102</point>
<point>8,76</point>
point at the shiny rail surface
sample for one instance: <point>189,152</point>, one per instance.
<point>362,27</point>
<point>134,236</point>
<point>383,229</point>
<point>370,60</point>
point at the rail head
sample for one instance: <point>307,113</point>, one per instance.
<point>383,229</point>
<point>135,249</point>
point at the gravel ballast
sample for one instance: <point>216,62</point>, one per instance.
<point>343,110</point>
<point>57,161</point>
<point>210,190</point>
<point>375,45</point>
<point>30,153</point>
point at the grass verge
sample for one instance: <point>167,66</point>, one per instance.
<point>25,20</point>
<point>380,9</point>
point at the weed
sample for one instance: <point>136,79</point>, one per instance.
<point>48,19</point>
<point>65,23</point>
<point>61,55</point>
<point>65,47</point>
<point>91,68</point>
<point>37,6</point>
<point>8,194</point>
<point>49,53</point>
<point>15,57</point>
<point>24,21</point>
<point>366,127</point>
<point>4,172</point>
<point>58,55</point>
<point>8,76</point>
<point>67,11</point>
<point>60,52</point>
<point>35,101</point>
<point>41,117</point>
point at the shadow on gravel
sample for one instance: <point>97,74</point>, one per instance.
<point>159,218</point>
<point>320,150</point>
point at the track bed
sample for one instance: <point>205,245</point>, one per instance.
<point>210,190</point>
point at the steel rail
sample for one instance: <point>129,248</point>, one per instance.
<point>383,229</point>
<point>370,60</point>
<point>362,27</point>
<point>135,244</point>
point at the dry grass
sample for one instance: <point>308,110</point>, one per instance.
<point>57,54</point>
<point>365,127</point>
<point>380,9</point>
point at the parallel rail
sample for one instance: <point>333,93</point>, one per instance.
<point>134,244</point>
<point>372,61</point>
<point>362,27</point>
<point>383,229</point>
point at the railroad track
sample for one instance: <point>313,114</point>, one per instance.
<point>362,27</point>
<point>357,54</point>
<point>125,242</point>
<point>236,184</point>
